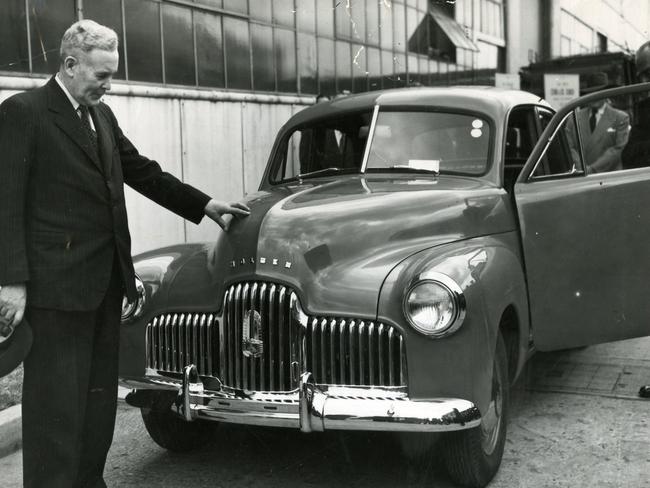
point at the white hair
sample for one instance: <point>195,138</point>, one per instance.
<point>86,35</point>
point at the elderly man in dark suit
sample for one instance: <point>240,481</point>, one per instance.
<point>65,253</point>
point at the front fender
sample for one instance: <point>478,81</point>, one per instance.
<point>490,273</point>
<point>157,269</point>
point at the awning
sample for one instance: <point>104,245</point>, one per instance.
<point>452,30</point>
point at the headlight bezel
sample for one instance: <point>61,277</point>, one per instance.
<point>132,311</point>
<point>456,295</point>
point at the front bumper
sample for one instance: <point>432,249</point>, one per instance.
<point>312,407</point>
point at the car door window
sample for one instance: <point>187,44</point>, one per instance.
<point>562,158</point>
<point>521,135</point>
<point>606,135</point>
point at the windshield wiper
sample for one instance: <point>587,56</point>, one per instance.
<point>332,170</point>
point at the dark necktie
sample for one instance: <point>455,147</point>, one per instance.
<point>592,119</point>
<point>85,122</point>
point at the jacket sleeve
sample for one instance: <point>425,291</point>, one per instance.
<point>17,142</point>
<point>147,177</point>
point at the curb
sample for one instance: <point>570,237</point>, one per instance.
<point>11,435</point>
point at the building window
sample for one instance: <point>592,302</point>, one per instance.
<point>238,56</point>
<point>286,46</point>
<point>576,36</point>
<point>48,21</point>
<point>143,46</point>
<point>14,53</point>
<point>178,46</point>
<point>492,18</point>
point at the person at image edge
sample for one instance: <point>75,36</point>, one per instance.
<point>65,253</point>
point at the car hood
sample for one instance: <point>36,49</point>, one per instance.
<point>336,240</point>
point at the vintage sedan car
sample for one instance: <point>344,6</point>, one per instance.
<point>407,251</point>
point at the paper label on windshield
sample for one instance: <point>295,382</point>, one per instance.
<point>426,164</point>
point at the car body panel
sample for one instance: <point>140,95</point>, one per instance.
<point>584,243</point>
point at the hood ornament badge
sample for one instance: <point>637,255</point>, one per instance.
<point>252,342</point>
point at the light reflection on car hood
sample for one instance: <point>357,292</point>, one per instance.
<point>335,240</point>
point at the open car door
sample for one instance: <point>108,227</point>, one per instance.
<point>583,201</point>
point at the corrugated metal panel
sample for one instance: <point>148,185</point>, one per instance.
<point>261,123</point>
<point>212,155</point>
<point>153,126</point>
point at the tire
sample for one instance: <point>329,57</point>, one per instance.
<point>472,457</point>
<point>175,434</point>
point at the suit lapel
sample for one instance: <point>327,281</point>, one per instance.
<point>102,126</point>
<point>68,121</point>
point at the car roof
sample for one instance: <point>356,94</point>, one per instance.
<point>495,102</point>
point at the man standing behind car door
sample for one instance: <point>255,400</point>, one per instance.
<point>65,257</point>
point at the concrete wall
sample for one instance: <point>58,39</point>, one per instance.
<point>216,141</point>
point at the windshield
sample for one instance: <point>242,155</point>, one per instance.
<point>403,141</point>
<point>430,141</point>
<point>327,146</point>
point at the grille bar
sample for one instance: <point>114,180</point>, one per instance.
<point>355,353</point>
<point>174,341</point>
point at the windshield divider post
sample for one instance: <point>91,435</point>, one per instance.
<point>371,134</point>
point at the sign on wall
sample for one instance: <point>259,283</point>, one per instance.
<point>561,89</point>
<point>508,81</point>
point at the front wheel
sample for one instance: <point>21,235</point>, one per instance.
<point>175,434</point>
<point>473,456</point>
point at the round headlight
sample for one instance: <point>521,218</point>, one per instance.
<point>435,307</point>
<point>134,309</point>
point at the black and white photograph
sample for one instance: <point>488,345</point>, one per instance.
<point>298,243</point>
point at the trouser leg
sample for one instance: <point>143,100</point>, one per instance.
<point>101,403</point>
<point>70,394</point>
<point>54,397</point>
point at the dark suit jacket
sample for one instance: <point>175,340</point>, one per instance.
<point>62,209</point>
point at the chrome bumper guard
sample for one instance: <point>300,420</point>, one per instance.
<point>316,408</point>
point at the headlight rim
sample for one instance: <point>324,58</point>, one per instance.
<point>456,294</point>
<point>135,309</point>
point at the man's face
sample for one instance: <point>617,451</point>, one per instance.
<point>597,104</point>
<point>90,74</point>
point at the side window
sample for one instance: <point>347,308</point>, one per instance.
<point>521,135</point>
<point>563,154</point>
<point>544,117</point>
<point>324,146</point>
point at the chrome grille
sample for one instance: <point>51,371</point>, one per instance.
<point>173,341</point>
<point>273,370</point>
<point>335,350</point>
<point>355,352</point>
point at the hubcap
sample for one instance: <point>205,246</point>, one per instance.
<point>491,422</point>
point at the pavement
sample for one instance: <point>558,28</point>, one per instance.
<point>575,408</point>
<point>11,430</point>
